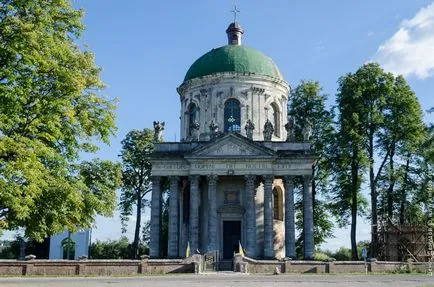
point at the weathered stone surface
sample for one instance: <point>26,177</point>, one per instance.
<point>154,245</point>
<point>308,218</point>
<point>194,213</point>
<point>251,240</point>
<point>268,218</point>
<point>173,218</point>
<point>289,217</point>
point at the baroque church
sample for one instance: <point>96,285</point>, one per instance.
<point>231,175</point>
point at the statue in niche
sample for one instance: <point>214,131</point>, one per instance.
<point>307,130</point>
<point>194,126</point>
<point>249,129</point>
<point>268,130</point>
<point>158,131</point>
<point>213,129</point>
<point>290,130</point>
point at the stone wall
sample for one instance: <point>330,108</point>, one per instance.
<point>94,267</point>
<point>193,265</point>
<point>244,264</point>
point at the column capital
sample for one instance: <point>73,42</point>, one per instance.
<point>212,179</point>
<point>250,177</point>
<point>268,178</point>
<point>155,179</point>
<point>307,179</point>
<point>194,178</point>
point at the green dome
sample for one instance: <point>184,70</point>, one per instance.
<point>233,58</point>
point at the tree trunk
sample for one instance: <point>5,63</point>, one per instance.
<point>135,254</point>
<point>354,191</point>
<point>313,200</point>
<point>374,218</point>
<point>403,198</point>
<point>391,183</point>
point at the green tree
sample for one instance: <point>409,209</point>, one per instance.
<point>349,159</point>
<point>379,119</point>
<point>308,105</point>
<point>136,151</point>
<point>51,109</point>
<point>399,141</point>
<point>114,249</point>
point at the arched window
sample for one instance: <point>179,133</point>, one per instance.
<point>274,118</point>
<point>193,116</point>
<point>277,204</point>
<point>232,116</point>
<point>68,248</point>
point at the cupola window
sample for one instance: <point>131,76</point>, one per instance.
<point>193,117</point>
<point>274,118</point>
<point>232,116</point>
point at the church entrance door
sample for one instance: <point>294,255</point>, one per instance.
<point>231,237</point>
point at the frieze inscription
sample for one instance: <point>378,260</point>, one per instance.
<point>170,166</point>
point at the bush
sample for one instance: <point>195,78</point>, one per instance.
<point>115,249</point>
<point>320,256</point>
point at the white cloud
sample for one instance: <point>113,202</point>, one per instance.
<point>411,49</point>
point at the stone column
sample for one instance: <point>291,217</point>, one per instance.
<point>251,240</point>
<point>172,246</point>
<point>308,245</point>
<point>194,213</point>
<point>289,218</point>
<point>268,217</point>
<point>212,212</point>
<point>154,245</point>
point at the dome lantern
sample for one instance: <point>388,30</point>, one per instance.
<point>235,33</point>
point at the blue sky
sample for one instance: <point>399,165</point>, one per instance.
<point>146,47</point>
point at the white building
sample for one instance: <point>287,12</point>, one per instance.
<point>231,176</point>
<point>68,245</point>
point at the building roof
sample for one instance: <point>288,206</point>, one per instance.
<point>233,58</point>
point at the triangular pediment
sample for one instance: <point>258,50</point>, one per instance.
<point>232,145</point>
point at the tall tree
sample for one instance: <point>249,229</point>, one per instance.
<point>399,139</point>
<point>136,151</point>
<point>372,87</point>
<point>308,105</point>
<point>51,109</point>
<point>350,161</point>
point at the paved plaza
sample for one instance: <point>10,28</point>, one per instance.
<point>227,280</point>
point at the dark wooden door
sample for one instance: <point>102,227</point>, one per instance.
<point>231,238</point>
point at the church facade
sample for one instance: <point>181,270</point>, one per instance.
<point>231,175</point>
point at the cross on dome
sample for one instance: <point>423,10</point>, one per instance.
<point>235,11</point>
